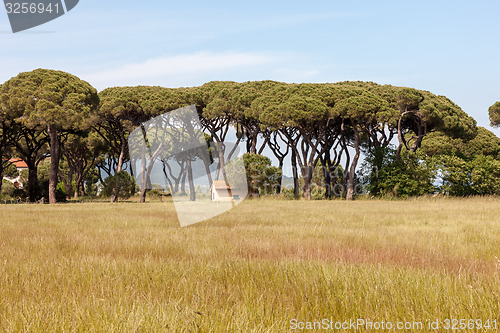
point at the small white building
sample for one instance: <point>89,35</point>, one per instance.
<point>223,192</point>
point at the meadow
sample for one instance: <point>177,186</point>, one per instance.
<point>129,267</point>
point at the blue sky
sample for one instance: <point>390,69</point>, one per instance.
<point>447,47</point>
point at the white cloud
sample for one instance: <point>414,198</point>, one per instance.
<point>174,70</point>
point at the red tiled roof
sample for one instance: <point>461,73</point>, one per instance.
<point>19,163</point>
<point>220,185</point>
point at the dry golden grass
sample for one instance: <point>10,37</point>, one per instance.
<point>129,267</point>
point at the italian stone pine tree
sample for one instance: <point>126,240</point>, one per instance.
<point>54,100</point>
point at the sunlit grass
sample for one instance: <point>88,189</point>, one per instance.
<point>130,267</point>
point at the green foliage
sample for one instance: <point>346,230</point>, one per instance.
<point>11,171</point>
<point>454,173</point>
<point>288,193</point>
<point>121,109</point>
<point>318,185</point>
<point>262,177</point>
<point>377,159</point>
<point>157,193</point>
<point>408,98</point>
<point>60,192</point>
<point>494,112</point>
<point>485,175</point>
<point>51,103</point>
<point>450,173</point>
<point>462,177</point>
<point>43,171</point>
<point>441,114</point>
<point>305,113</point>
<point>410,176</point>
<point>44,97</point>
<point>465,167</point>
<point>8,190</point>
<point>365,108</point>
<point>484,143</point>
<point>120,184</point>
<point>91,182</point>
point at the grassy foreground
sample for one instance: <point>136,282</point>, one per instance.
<point>129,267</point>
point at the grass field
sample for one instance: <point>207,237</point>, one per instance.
<point>129,267</point>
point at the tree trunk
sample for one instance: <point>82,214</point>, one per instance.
<point>67,184</point>
<point>68,181</point>
<point>401,137</point>
<point>345,176</point>
<point>167,178</point>
<point>398,152</point>
<point>1,173</point>
<point>132,190</point>
<point>114,196</point>
<point>33,187</point>
<point>78,178</point>
<point>144,176</point>
<point>206,162</point>
<point>192,191</point>
<point>295,174</point>
<point>326,165</point>
<point>183,182</point>
<point>121,157</point>
<point>253,148</point>
<point>221,172</point>
<point>280,179</point>
<point>352,172</point>
<point>307,176</point>
<point>143,194</point>
<point>54,162</point>
<point>81,189</point>
<point>76,193</point>
<point>67,188</point>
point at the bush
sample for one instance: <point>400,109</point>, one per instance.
<point>287,193</point>
<point>60,192</point>
<point>410,176</point>
<point>157,193</point>
<point>262,177</point>
<point>8,190</point>
<point>463,177</point>
<point>120,184</point>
